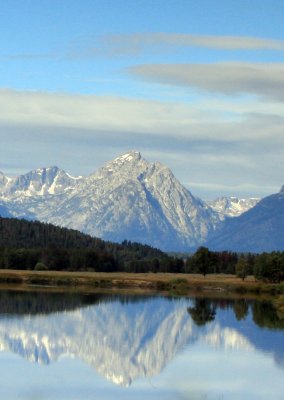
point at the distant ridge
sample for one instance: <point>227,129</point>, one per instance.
<point>232,206</point>
<point>259,229</point>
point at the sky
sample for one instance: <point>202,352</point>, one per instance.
<point>198,86</point>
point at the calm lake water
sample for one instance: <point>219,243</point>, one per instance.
<point>66,346</point>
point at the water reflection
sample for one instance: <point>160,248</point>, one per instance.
<point>127,338</point>
<point>122,338</point>
<point>202,312</point>
<point>241,309</point>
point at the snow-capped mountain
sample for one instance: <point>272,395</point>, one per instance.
<point>128,198</point>
<point>231,206</point>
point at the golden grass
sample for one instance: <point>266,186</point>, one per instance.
<point>156,281</point>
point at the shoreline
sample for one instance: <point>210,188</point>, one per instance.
<point>180,283</point>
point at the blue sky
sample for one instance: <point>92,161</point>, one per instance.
<point>198,86</point>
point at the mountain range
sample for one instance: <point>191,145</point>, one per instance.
<point>128,198</point>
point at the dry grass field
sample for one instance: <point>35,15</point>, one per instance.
<point>158,281</point>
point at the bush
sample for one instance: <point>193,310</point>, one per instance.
<point>178,286</point>
<point>41,267</point>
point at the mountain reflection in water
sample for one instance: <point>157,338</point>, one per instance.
<point>128,337</point>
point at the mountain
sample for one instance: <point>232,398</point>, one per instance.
<point>231,206</point>
<point>259,229</point>
<point>128,198</point>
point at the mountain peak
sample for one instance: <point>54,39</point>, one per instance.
<point>282,189</point>
<point>129,156</point>
<point>128,164</point>
<point>52,168</point>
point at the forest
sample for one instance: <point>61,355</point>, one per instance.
<point>33,245</point>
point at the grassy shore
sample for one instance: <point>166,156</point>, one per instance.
<point>160,281</point>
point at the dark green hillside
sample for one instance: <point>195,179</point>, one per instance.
<point>36,245</point>
<point>19,233</point>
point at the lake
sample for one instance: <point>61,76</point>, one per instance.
<point>108,346</point>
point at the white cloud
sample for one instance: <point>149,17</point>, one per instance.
<point>92,112</point>
<point>229,144</point>
<point>137,43</point>
<point>117,114</point>
<point>229,78</point>
<point>140,43</point>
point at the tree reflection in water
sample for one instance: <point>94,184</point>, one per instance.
<point>202,312</point>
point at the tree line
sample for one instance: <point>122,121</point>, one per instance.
<point>266,266</point>
<point>34,245</point>
<point>133,257</point>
